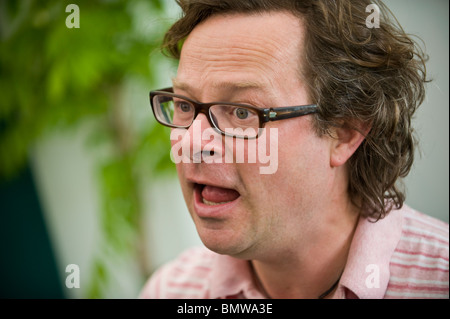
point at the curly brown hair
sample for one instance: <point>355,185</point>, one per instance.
<point>355,74</point>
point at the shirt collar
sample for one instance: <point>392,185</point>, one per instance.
<point>366,273</point>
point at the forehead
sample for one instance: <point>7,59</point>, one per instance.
<point>248,50</point>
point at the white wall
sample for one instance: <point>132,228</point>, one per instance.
<point>66,185</point>
<point>428,182</point>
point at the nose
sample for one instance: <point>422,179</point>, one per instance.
<point>205,143</point>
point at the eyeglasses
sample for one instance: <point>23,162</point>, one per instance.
<point>231,119</point>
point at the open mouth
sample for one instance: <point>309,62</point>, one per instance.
<point>213,195</point>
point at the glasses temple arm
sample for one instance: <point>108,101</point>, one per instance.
<point>290,112</point>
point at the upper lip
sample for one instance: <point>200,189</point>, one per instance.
<point>201,181</point>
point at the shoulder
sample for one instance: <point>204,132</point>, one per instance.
<point>420,263</point>
<point>185,277</point>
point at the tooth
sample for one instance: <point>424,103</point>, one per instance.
<point>207,202</point>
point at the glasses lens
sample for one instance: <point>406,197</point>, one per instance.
<point>173,111</point>
<point>235,120</point>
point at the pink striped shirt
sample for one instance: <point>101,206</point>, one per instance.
<point>404,255</point>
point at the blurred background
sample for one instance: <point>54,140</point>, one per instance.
<point>85,172</point>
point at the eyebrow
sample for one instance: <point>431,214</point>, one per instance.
<point>231,86</point>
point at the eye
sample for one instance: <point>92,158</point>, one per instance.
<point>184,107</point>
<point>241,113</point>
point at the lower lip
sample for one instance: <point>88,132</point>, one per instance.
<point>211,211</point>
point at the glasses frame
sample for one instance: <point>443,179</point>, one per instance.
<point>265,115</point>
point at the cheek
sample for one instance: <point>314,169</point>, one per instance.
<point>185,189</point>
<point>300,147</point>
<point>303,164</point>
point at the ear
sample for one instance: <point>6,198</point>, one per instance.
<point>346,141</point>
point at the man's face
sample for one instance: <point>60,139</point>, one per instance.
<point>237,210</point>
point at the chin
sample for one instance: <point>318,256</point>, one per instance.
<point>224,243</point>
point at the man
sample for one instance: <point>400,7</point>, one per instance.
<point>335,98</point>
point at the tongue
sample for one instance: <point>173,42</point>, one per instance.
<point>218,194</point>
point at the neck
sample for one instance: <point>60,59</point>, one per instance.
<point>313,266</point>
